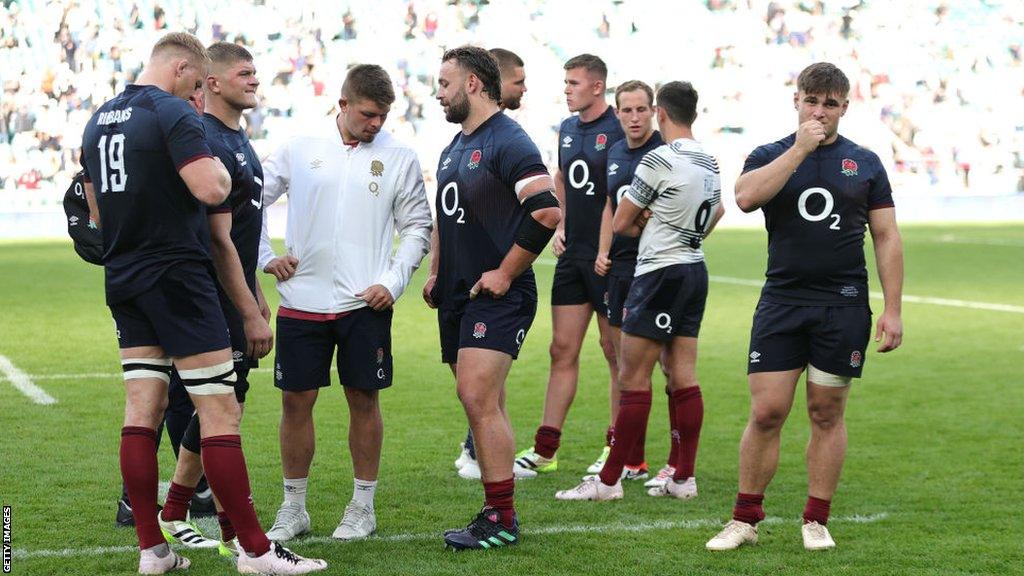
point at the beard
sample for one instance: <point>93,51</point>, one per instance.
<point>458,109</point>
<point>513,104</point>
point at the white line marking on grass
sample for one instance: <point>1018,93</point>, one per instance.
<point>23,383</point>
<point>85,375</point>
<point>698,524</point>
<point>953,239</point>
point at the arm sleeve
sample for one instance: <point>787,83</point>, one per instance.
<point>758,158</point>
<point>880,193</point>
<point>646,181</point>
<point>413,223</point>
<point>518,158</point>
<point>184,132</point>
<point>276,180</point>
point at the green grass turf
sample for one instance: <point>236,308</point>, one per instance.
<point>934,464</point>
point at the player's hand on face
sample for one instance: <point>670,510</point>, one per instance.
<point>428,288</point>
<point>259,339</point>
<point>889,331</point>
<point>558,242</point>
<point>810,135</point>
<point>377,297</point>
<point>282,267</point>
<point>642,218</point>
<point>602,264</point>
<point>493,282</point>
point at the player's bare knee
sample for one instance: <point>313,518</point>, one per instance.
<point>767,419</point>
<point>825,415</point>
<point>608,347</point>
<point>298,405</point>
<point>564,353</point>
<point>366,402</point>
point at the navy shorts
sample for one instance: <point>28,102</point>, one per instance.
<point>667,303</point>
<point>305,348</point>
<point>832,338</point>
<point>180,313</point>
<point>615,297</point>
<point>575,282</point>
<point>486,322</point>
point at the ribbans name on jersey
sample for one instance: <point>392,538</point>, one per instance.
<point>113,116</point>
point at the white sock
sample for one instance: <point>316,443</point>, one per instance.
<point>364,491</point>
<point>295,491</point>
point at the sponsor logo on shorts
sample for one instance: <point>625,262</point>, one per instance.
<point>849,167</point>
<point>520,336</point>
<point>855,359</point>
<point>278,373</point>
<point>237,355</point>
<point>849,291</point>
<point>380,356</point>
<point>600,142</point>
<point>755,357</point>
<point>479,330</point>
<point>474,159</point>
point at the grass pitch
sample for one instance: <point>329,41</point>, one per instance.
<point>932,481</point>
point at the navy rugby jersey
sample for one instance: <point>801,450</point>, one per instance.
<point>245,202</point>
<point>622,161</point>
<point>478,211</point>
<point>816,223</point>
<point>132,150</point>
<point>582,158</point>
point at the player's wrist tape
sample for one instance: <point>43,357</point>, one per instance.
<point>533,236</point>
<point>159,368</point>
<point>209,381</point>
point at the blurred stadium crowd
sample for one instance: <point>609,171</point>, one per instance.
<point>937,86</point>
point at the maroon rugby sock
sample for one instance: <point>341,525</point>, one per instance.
<point>689,409</point>
<point>224,464</point>
<point>178,498</point>
<point>817,510</point>
<point>608,435</point>
<point>140,472</point>
<point>227,531</point>
<point>748,508</point>
<point>634,407</point>
<point>546,441</point>
<point>500,497</point>
<point>637,455</point>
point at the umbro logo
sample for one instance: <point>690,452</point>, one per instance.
<point>755,357</point>
<point>566,142</point>
<point>316,164</point>
<point>444,165</point>
<point>612,169</point>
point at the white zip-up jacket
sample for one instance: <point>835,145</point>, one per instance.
<point>345,204</point>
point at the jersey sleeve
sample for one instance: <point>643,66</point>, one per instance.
<point>880,193</point>
<point>647,180</point>
<point>184,132</point>
<point>519,158</point>
<point>231,164</point>
<point>761,156</point>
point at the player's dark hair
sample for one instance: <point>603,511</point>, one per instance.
<point>590,63</point>
<point>368,82</point>
<point>480,63</point>
<point>632,86</point>
<point>507,59</point>
<point>227,53</point>
<point>184,44</point>
<point>823,78</point>
<point>679,101</point>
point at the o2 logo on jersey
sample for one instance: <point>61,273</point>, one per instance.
<point>600,142</point>
<point>474,159</point>
<point>579,176</point>
<point>451,208</point>
<point>826,209</point>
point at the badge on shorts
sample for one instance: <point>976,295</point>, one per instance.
<point>479,330</point>
<point>474,159</point>
<point>377,168</point>
<point>849,167</point>
<point>380,356</point>
<point>855,359</point>
<point>600,142</point>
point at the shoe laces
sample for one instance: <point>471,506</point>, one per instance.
<point>355,514</point>
<point>286,515</point>
<point>664,473</point>
<point>817,531</point>
<point>286,554</point>
<point>733,527</point>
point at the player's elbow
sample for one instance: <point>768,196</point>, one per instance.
<point>744,199</point>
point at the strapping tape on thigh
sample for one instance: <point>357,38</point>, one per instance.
<point>135,368</point>
<point>209,381</point>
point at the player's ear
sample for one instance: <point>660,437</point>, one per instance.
<point>343,104</point>
<point>180,68</point>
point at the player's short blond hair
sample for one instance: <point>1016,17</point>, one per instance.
<point>181,44</point>
<point>633,86</point>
